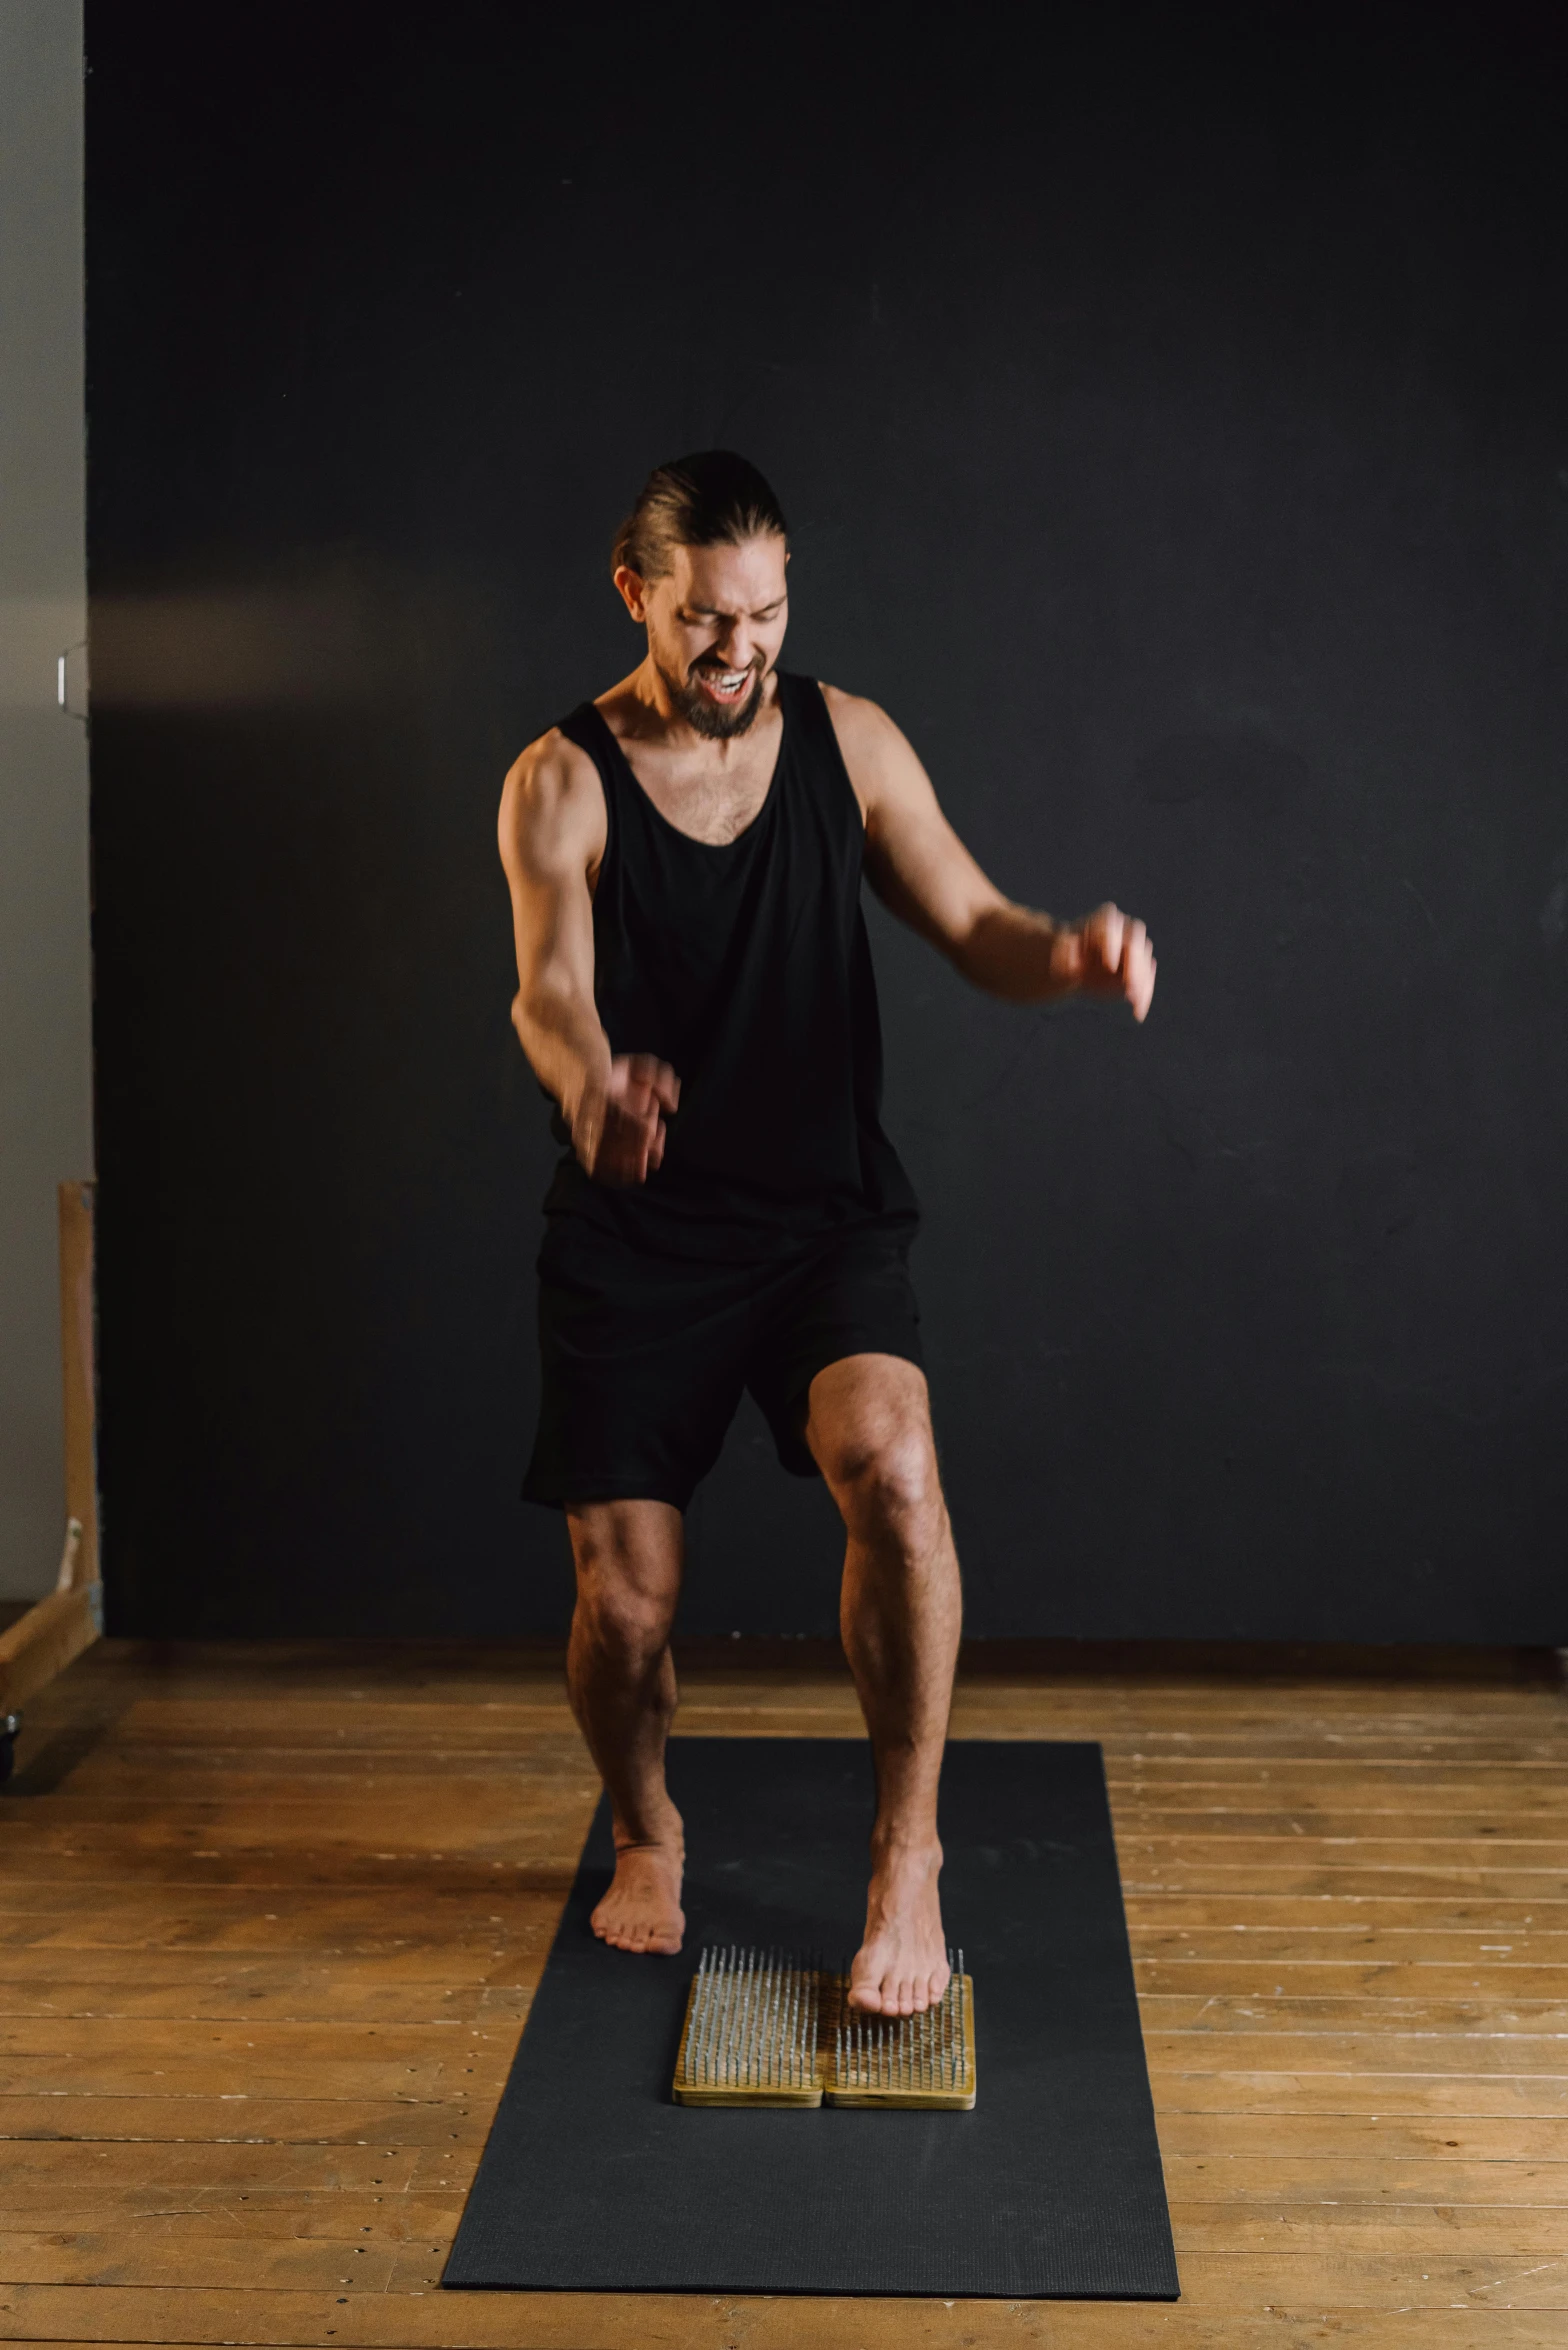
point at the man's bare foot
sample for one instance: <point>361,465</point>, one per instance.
<point>642,1910</point>
<point>901,1967</point>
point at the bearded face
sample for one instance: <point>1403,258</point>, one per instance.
<point>716,625</point>
<point>716,700</point>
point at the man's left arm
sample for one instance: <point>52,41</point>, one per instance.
<point>923,873</point>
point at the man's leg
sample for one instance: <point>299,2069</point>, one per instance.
<point>622,1681</point>
<point>869,1427</point>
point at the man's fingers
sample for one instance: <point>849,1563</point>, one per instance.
<point>1135,949</point>
<point>648,1072</point>
<point>1117,957</point>
<point>650,1149</point>
<point>1141,988</point>
<point>1138,969</point>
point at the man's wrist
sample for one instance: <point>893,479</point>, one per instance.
<point>585,1113</point>
<point>1065,962</point>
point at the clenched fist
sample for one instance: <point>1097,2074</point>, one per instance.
<point>1107,954</point>
<point>618,1130</point>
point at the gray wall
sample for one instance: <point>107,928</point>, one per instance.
<point>45,1042</point>
<point>1174,441</point>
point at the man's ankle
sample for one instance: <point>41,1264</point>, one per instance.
<point>905,1843</point>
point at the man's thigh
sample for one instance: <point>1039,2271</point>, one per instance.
<point>850,1302</point>
<point>641,1365</point>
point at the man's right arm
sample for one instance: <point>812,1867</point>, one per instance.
<point>552,834</point>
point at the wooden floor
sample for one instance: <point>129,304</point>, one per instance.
<point>270,1918</point>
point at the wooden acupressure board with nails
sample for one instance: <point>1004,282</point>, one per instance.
<point>766,2027</point>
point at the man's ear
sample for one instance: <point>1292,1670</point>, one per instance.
<point>633,592</point>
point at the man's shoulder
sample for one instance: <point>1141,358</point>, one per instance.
<point>553,792</point>
<point>553,762</point>
<point>866,734</point>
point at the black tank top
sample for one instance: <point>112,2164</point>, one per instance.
<point>746,966</point>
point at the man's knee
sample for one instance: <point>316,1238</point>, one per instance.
<point>628,1579</point>
<point>885,1480</point>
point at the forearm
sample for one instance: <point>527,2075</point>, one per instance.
<point>1021,956</point>
<point>560,1031</point>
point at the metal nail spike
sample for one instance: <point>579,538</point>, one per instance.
<point>702,2013</point>
<point>699,2020</point>
<point>693,2040</point>
<point>775,2020</point>
<point>780,2059</point>
<point>732,2021</point>
<point>725,2014</point>
<point>694,2019</point>
<point>760,2036</point>
<point>756,2050</point>
<point>705,2023</point>
<point>715,2014</point>
<point>771,2025</point>
<point>771,2073</point>
<point>692,2014</point>
<point>715,2010</point>
<point>770,2054</point>
<point>722,2020</point>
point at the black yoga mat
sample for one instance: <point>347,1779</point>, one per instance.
<point>593,2180</point>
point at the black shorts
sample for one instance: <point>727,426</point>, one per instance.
<point>644,1358</point>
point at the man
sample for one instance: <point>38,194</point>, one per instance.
<point>695,990</point>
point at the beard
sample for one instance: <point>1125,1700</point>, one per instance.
<point>718,722</point>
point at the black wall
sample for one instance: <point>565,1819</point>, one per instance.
<point>1171,405</point>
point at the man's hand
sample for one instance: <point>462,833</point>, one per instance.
<point>618,1127</point>
<point>1107,954</point>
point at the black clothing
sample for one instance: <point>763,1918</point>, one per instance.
<point>645,1356</point>
<point>746,967</point>
<point>773,1239</point>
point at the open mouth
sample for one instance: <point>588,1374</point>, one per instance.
<point>725,686</point>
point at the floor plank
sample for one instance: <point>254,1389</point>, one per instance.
<point>426,2320</point>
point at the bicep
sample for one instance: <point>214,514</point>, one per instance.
<point>549,844</point>
<point>915,861</point>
